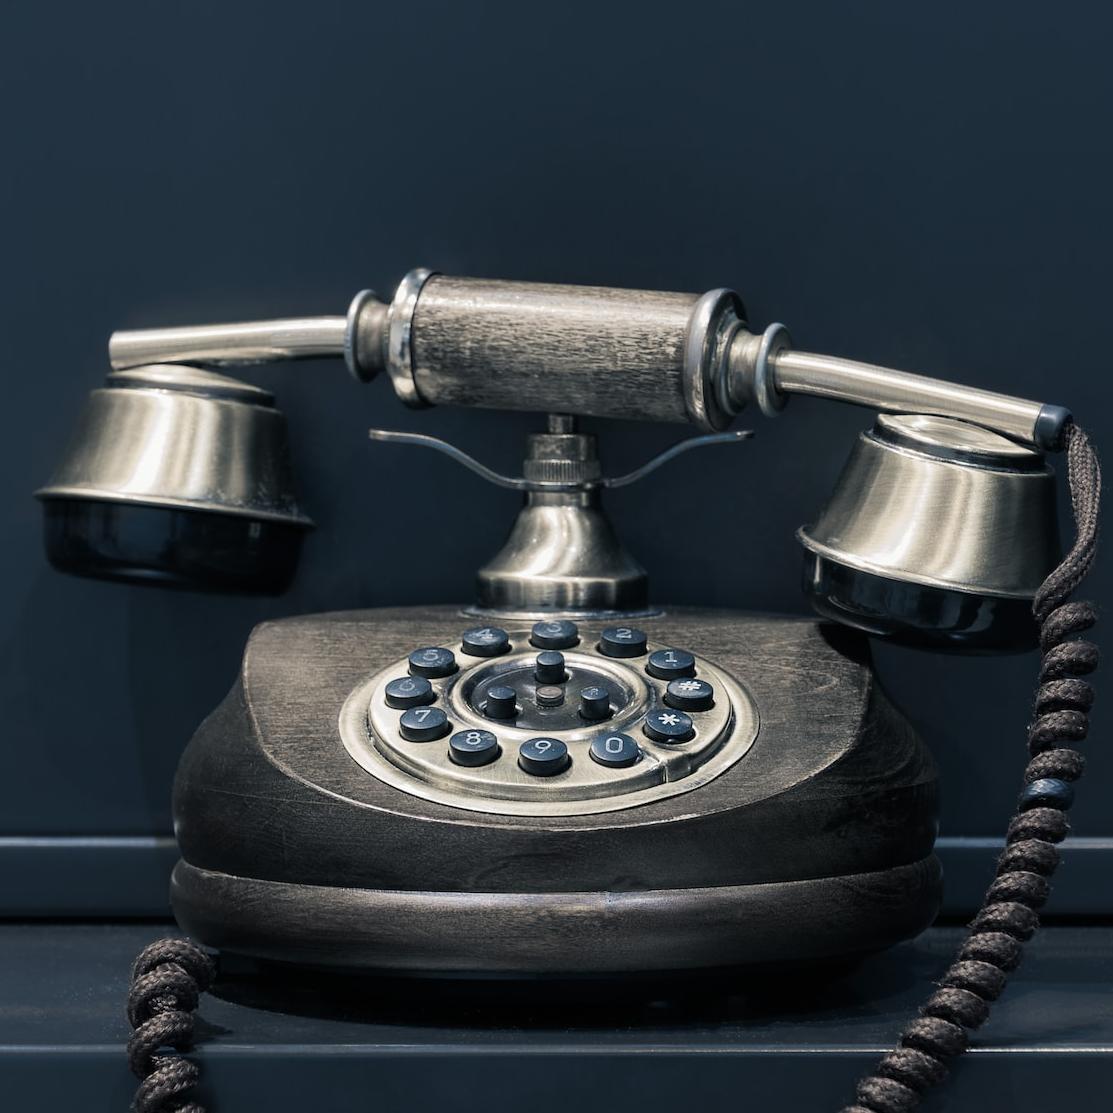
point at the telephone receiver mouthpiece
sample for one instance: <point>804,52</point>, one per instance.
<point>939,533</point>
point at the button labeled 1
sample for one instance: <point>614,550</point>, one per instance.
<point>668,664</point>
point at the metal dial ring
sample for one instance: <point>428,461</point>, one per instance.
<point>369,729</point>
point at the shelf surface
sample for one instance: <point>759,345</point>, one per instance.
<point>328,1042</point>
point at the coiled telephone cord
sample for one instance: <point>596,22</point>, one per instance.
<point>166,981</point>
<point>1008,916</point>
<point>170,974</point>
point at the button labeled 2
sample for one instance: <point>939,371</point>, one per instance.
<point>622,641</point>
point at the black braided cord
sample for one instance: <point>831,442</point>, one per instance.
<point>166,981</point>
<point>1009,914</point>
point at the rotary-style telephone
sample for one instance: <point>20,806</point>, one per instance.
<point>566,778</point>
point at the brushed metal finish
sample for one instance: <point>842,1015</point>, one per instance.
<point>562,554</point>
<point>369,730</point>
<point>882,388</point>
<point>181,437</point>
<point>930,500</point>
<point>562,551</point>
<point>548,348</point>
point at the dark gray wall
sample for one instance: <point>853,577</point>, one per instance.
<point>924,185</point>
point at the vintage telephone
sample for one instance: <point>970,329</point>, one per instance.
<point>564,778</point>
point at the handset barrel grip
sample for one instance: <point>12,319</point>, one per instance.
<point>587,350</point>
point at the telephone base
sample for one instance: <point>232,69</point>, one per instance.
<point>792,820</point>
<point>560,934</point>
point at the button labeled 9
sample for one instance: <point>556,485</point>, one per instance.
<point>544,757</point>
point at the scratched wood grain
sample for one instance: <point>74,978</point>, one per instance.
<point>831,814</point>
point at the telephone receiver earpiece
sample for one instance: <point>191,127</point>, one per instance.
<point>178,477</point>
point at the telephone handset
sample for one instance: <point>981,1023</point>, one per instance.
<point>564,779</point>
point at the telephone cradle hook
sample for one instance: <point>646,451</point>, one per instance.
<point>563,553</point>
<point>581,482</point>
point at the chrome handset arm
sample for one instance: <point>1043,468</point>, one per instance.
<point>586,350</point>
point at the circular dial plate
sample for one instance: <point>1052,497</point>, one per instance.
<point>369,728</point>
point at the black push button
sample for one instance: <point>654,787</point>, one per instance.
<point>485,641</point>
<point>549,695</point>
<point>622,641</point>
<point>595,703</point>
<point>557,634</point>
<point>473,747</point>
<point>423,724</point>
<point>689,695</point>
<point>618,751</point>
<point>544,757</point>
<point>432,661</point>
<point>664,725</point>
<point>549,667</point>
<point>502,702</point>
<point>409,691</point>
<point>668,664</point>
